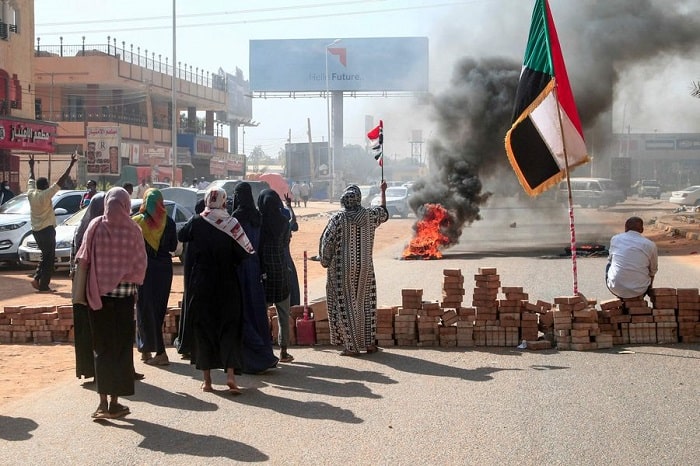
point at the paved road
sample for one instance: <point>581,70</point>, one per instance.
<point>630,405</point>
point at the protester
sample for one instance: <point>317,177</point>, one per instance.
<point>183,342</point>
<point>294,292</point>
<point>305,192</point>
<point>213,292</point>
<point>296,194</point>
<point>91,191</point>
<point>129,188</point>
<point>114,253</point>
<point>5,192</point>
<point>43,221</point>
<point>84,359</point>
<point>632,261</point>
<point>160,236</point>
<point>140,190</point>
<point>258,355</point>
<point>346,252</point>
<point>274,239</point>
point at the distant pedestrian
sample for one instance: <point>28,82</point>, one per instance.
<point>351,289</point>
<point>91,191</point>
<point>5,192</point>
<point>140,190</point>
<point>129,188</point>
<point>305,192</point>
<point>114,253</point>
<point>43,220</point>
<point>296,194</point>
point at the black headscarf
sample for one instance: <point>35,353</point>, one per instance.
<point>274,223</point>
<point>351,198</point>
<point>244,205</point>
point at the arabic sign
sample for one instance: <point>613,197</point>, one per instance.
<point>27,135</point>
<point>103,151</point>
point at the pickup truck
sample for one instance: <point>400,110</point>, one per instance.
<point>649,188</point>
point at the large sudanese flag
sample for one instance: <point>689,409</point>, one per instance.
<point>546,134</point>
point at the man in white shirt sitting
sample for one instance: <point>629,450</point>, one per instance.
<point>633,261</point>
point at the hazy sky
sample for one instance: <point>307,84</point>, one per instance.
<point>214,34</point>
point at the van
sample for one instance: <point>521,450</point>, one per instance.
<point>592,192</point>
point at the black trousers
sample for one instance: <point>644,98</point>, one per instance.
<point>46,240</point>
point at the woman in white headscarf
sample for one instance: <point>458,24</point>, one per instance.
<point>213,291</point>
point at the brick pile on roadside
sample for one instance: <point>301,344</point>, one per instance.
<point>499,316</point>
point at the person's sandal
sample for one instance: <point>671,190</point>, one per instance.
<point>117,410</point>
<point>286,357</point>
<point>352,354</point>
<point>101,412</point>
<point>372,349</point>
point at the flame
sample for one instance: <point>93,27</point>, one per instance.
<point>429,239</point>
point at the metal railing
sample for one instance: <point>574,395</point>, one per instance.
<point>134,57</point>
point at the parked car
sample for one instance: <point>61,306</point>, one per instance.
<point>649,188</point>
<point>687,196</point>
<point>15,223</point>
<point>29,253</point>
<point>396,201</point>
<point>592,192</point>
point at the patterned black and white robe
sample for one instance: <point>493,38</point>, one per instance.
<point>346,252</point>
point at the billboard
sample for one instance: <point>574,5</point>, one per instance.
<point>102,154</point>
<point>381,64</point>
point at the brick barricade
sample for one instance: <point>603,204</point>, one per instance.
<point>498,316</point>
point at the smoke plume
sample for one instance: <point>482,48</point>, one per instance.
<point>600,40</point>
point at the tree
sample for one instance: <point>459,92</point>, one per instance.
<point>256,156</point>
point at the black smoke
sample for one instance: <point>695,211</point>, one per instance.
<point>600,39</point>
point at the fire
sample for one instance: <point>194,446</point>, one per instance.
<point>428,239</point>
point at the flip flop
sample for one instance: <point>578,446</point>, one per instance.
<point>372,349</point>
<point>235,390</point>
<point>352,354</point>
<point>207,388</point>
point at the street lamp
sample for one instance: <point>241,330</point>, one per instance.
<point>331,156</point>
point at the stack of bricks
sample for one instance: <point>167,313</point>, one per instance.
<point>665,303</point>
<point>319,310</point>
<point>428,324</point>
<point>576,325</point>
<point>406,317</point>
<point>510,313</point>
<point>6,325</point>
<point>62,325</point>
<point>642,329</point>
<point>385,326</point>
<point>465,326</point>
<point>561,317</point>
<point>688,315</point>
<point>452,288</point>
<point>487,332</point>
<point>448,328</point>
<point>610,319</point>
<point>170,324</point>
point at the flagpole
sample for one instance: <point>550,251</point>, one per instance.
<point>572,229</point>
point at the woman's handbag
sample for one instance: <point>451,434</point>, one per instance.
<point>79,284</point>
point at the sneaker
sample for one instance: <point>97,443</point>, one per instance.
<point>159,360</point>
<point>117,410</point>
<point>286,357</point>
<point>101,412</point>
<point>145,356</point>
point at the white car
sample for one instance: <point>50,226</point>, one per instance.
<point>15,223</point>
<point>396,201</point>
<point>687,196</point>
<point>29,253</point>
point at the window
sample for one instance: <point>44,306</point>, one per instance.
<point>71,203</point>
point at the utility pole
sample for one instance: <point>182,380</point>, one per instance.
<point>311,151</point>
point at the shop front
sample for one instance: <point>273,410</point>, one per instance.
<point>17,136</point>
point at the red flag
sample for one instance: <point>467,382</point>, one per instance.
<point>376,132</point>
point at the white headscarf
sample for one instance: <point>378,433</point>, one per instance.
<point>215,213</point>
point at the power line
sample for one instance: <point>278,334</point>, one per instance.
<point>263,20</point>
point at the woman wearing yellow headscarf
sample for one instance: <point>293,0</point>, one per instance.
<point>160,237</point>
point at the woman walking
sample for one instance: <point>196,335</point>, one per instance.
<point>213,291</point>
<point>257,340</point>
<point>160,237</point>
<point>114,253</point>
